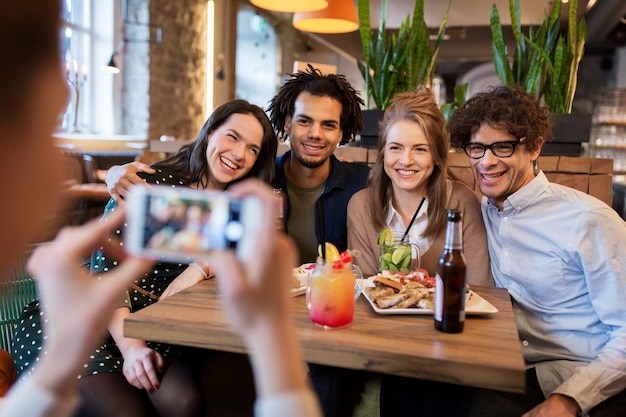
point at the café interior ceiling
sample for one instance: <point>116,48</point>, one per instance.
<point>467,13</point>
<point>468,24</point>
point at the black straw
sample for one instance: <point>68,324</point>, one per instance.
<point>321,224</point>
<point>406,232</point>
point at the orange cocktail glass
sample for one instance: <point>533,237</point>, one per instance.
<point>331,294</point>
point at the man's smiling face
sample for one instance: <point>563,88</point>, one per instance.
<point>314,129</point>
<point>497,177</point>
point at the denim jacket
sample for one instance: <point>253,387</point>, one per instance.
<point>345,179</point>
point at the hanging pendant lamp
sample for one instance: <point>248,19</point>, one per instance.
<point>290,6</point>
<point>339,17</point>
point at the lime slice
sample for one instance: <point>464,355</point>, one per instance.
<point>383,265</point>
<point>385,237</point>
<point>400,253</point>
<point>332,253</point>
<point>405,263</point>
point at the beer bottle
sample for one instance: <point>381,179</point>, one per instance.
<point>450,288</point>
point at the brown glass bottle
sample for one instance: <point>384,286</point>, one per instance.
<point>450,289</point>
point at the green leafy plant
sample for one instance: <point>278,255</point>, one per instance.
<point>559,80</point>
<point>545,62</point>
<point>460,94</point>
<point>399,62</point>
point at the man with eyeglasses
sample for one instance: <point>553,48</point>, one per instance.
<point>559,252</point>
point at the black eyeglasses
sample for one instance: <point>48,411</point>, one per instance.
<point>504,149</point>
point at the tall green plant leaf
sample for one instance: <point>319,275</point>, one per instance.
<point>399,62</point>
<point>544,59</point>
<point>499,50</point>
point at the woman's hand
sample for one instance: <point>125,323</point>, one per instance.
<point>121,178</point>
<point>143,367</point>
<point>78,306</point>
<point>256,298</point>
<point>257,290</point>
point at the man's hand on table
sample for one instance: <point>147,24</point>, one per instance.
<point>120,178</point>
<point>556,406</point>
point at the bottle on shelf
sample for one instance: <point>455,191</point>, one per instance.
<point>449,310</point>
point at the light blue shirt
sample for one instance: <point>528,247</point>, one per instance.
<point>562,256</point>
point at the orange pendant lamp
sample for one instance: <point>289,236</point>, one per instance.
<point>339,17</point>
<point>290,6</point>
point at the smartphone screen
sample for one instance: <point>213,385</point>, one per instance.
<point>180,225</point>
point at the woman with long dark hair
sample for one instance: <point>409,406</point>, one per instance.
<point>127,376</point>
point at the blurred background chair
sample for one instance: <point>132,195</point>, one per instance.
<point>17,289</point>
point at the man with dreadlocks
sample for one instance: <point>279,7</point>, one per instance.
<point>315,112</point>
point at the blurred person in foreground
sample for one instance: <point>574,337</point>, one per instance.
<point>79,307</point>
<point>559,252</point>
<point>32,95</point>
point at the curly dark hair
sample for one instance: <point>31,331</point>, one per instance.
<point>315,83</point>
<point>506,108</point>
<point>190,163</point>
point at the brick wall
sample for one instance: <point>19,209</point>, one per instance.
<point>164,84</point>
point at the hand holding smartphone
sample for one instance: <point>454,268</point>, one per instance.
<point>183,224</point>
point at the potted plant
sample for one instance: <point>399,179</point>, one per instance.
<point>399,62</point>
<point>394,63</point>
<point>545,63</point>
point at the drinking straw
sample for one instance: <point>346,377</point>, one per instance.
<point>406,232</point>
<point>321,224</point>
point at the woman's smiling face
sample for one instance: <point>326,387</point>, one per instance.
<point>408,160</point>
<point>233,149</point>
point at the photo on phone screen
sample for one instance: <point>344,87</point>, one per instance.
<point>183,224</point>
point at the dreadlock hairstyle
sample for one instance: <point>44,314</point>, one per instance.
<point>190,163</point>
<point>315,83</point>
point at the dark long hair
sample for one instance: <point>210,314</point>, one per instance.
<point>190,163</point>
<point>315,83</point>
<point>420,107</point>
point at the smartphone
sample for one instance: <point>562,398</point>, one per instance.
<point>183,224</point>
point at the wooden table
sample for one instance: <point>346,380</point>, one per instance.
<point>487,354</point>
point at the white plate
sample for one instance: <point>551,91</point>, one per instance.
<point>300,273</point>
<point>474,304</point>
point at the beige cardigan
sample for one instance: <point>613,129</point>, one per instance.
<point>362,236</point>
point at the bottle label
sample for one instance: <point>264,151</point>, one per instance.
<point>438,313</point>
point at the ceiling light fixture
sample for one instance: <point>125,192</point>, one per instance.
<point>290,6</point>
<point>339,17</point>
